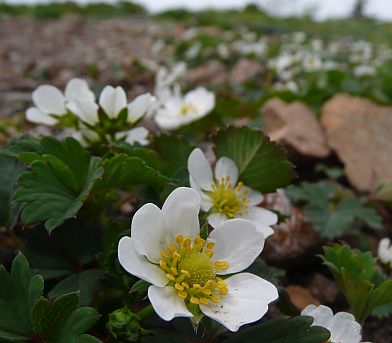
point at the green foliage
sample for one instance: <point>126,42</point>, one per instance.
<point>26,314</point>
<point>10,169</point>
<point>18,293</point>
<point>261,163</point>
<point>282,330</point>
<point>125,171</point>
<point>356,274</point>
<point>124,325</point>
<point>61,178</point>
<point>333,212</point>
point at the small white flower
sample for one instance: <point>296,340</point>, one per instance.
<point>178,111</point>
<point>385,251</point>
<point>85,109</point>
<point>187,273</point>
<point>113,101</point>
<point>136,135</point>
<point>342,325</point>
<point>50,102</point>
<point>224,197</point>
<point>364,70</point>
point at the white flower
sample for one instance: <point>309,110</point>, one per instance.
<point>385,251</point>
<point>188,273</point>
<point>224,197</point>
<point>50,102</point>
<point>135,135</point>
<point>342,325</point>
<point>139,107</point>
<point>177,110</point>
<point>364,70</point>
<point>166,79</point>
<point>113,101</point>
<point>85,109</point>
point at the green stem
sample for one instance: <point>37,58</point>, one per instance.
<point>145,312</point>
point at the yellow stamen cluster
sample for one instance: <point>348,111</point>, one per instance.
<point>191,271</point>
<point>227,199</point>
<point>187,108</point>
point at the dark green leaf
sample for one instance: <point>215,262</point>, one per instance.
<point>58,184</point>
<point>9,210</point>
<point>18,293</point>
<point>140,286</point>
<point>282,330</point>
<point>126,172</point>
<point>48,318</point>
<point>261,163</point>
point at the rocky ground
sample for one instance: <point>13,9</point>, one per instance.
<point>103,51</point>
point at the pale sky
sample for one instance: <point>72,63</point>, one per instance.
<point>381,9</point>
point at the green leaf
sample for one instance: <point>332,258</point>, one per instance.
<point>261,163</point>
<point>331,211</point>
<point>355,272</point>
<point>282,330</point>
<point>81,320</point>
<point>124,171</point>
<point>18,292</point>
<point>48,318</point>
<point>87,282</point>
<point>140,286</point>
<point>58,183</point>
<point>10,169</point>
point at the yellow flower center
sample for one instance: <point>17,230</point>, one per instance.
<point>187,108</point>
<point>227,199</point>
<point>191,271</point>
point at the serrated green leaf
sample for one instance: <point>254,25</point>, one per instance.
<point>87,282</point>
<point>261,163</point>
<point>126,172</point>
<point>18,291</point>
<point>58,183</point>
<point>81,320</point>
<point>282,330</point>
<point>332,217</point>
<point>48,318</point>
<point>10,169</point>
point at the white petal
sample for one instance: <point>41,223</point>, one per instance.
<point>344,328</point>
<point>78,89</point>
<point>181,213</point>
<point>216,219</point>
<point>238,242</point>
<point>49,99</point>
<point>148,230</point>
<point>255,197</point>
<point>86,110</point>
<point>202,99</point>
<point>137,135</point>
<point>137,264</point>
<point>139,107</point>
<point>34,115</point>
<point>260,215</point>
<point>322,314</point>
<point>262,218</point>
<point>206,203</point>
<point>247,301</point>
<point>113,100</point>
<point>167,121</point>
<point>226,167</point>
<point>166,303</point>
<point>200,169</point>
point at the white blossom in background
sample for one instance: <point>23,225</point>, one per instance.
<point>188,273</point>
<point>224,197</point>
<point>363,70</point>
<point>384,251</point>
<point>342,325</point>
<point>166,81</point>
<point>50,103</point>
<point>136,135</point>
<point>178,110</point>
